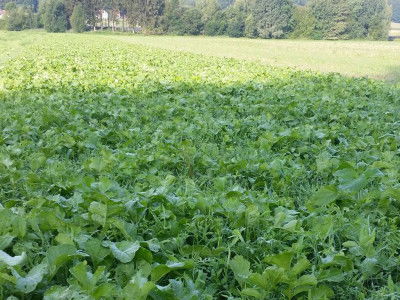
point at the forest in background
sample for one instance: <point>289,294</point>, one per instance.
<point>313,19</point>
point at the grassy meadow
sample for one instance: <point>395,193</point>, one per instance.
<point>373,59</point>
<point>133,172</point>
<point>12,43</point>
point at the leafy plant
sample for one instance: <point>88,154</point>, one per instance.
<point>126,170</point>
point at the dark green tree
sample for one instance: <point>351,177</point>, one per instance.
<point>55,17</point>
<point>250,29</point>
<point>374,18</point>
<point>208,9</point>
<point>92,8</point>
<point>304,23</point>
<point>217,25</point>
<point>192,23</point>
<point>153,15</point>
<point>332,18</point>
<point>235,20</point>
<point>18,17</point>
<point>146,13</point>
<point>78,18</point>
<point>172,18</point>
<point>273,18</point>
<point>345,19</point>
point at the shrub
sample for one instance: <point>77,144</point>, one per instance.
<point>217,25</point>
<point>191,22</point>
<point>235,27</point>
<point>250,29</point>
<point>78,19</point>
<point>274,18</point>
<point>18,18</point>
<point>55,17</point>
<point>304,23</point>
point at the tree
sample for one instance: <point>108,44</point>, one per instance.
<point>345,19</point>
<point>375,18</point>
<point>237,15</point>
<point>250,29</point>
<point>146,13</point>
<point>332,18</point>
<point>153,15</point>
<point>217,25</point>
<point>92,8</point>
<point>273,18</point>
<point>235,22</point>
<point>172,18</point>
<point>191,21</point>
<point>78,19</point>
<point>18,17</point>
<point>304,23</point>
<point>55,18</point>
<point>208,9</point>
<point>236,27</point>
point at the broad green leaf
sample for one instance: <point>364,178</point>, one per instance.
<point>57,256</point>
<point>161,270</point>
<point>306,280</point>
<point>88,281</point>
<point>367,239</point>
<point>96,251</point>
<point>283,260</point>
<point>8,278</point>
<point>323,161</point>
<point>252,293</point>
<point>304,284</point>
<point>351,181</point>
<point>323,197</point>
<point>322,226</point>
<point>6,161</point>
<point>97,163</point>
<point>369,267</point>
<point>98,212</point>
<point>123,251</point>
<point>138,286</point>
<point>12,260</point>
<point>28,283</point>
<point>322,292</point>
<point>350,244</point>
<point>240,267</point>
<point>299,267</point>
<point>64,238</point>
<point>269,278</point>
<point>62,292</point>
<point>103,291</point>
<point>338,260</point>
<point>81,274</point>
<point>6,241</point>
<point>332,275</point>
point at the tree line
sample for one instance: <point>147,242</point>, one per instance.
<point>312,19</point>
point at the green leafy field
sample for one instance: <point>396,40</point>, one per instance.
<point>128,172</point>
<point>373,59</point>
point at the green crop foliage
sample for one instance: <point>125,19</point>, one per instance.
<point>128,172</point>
